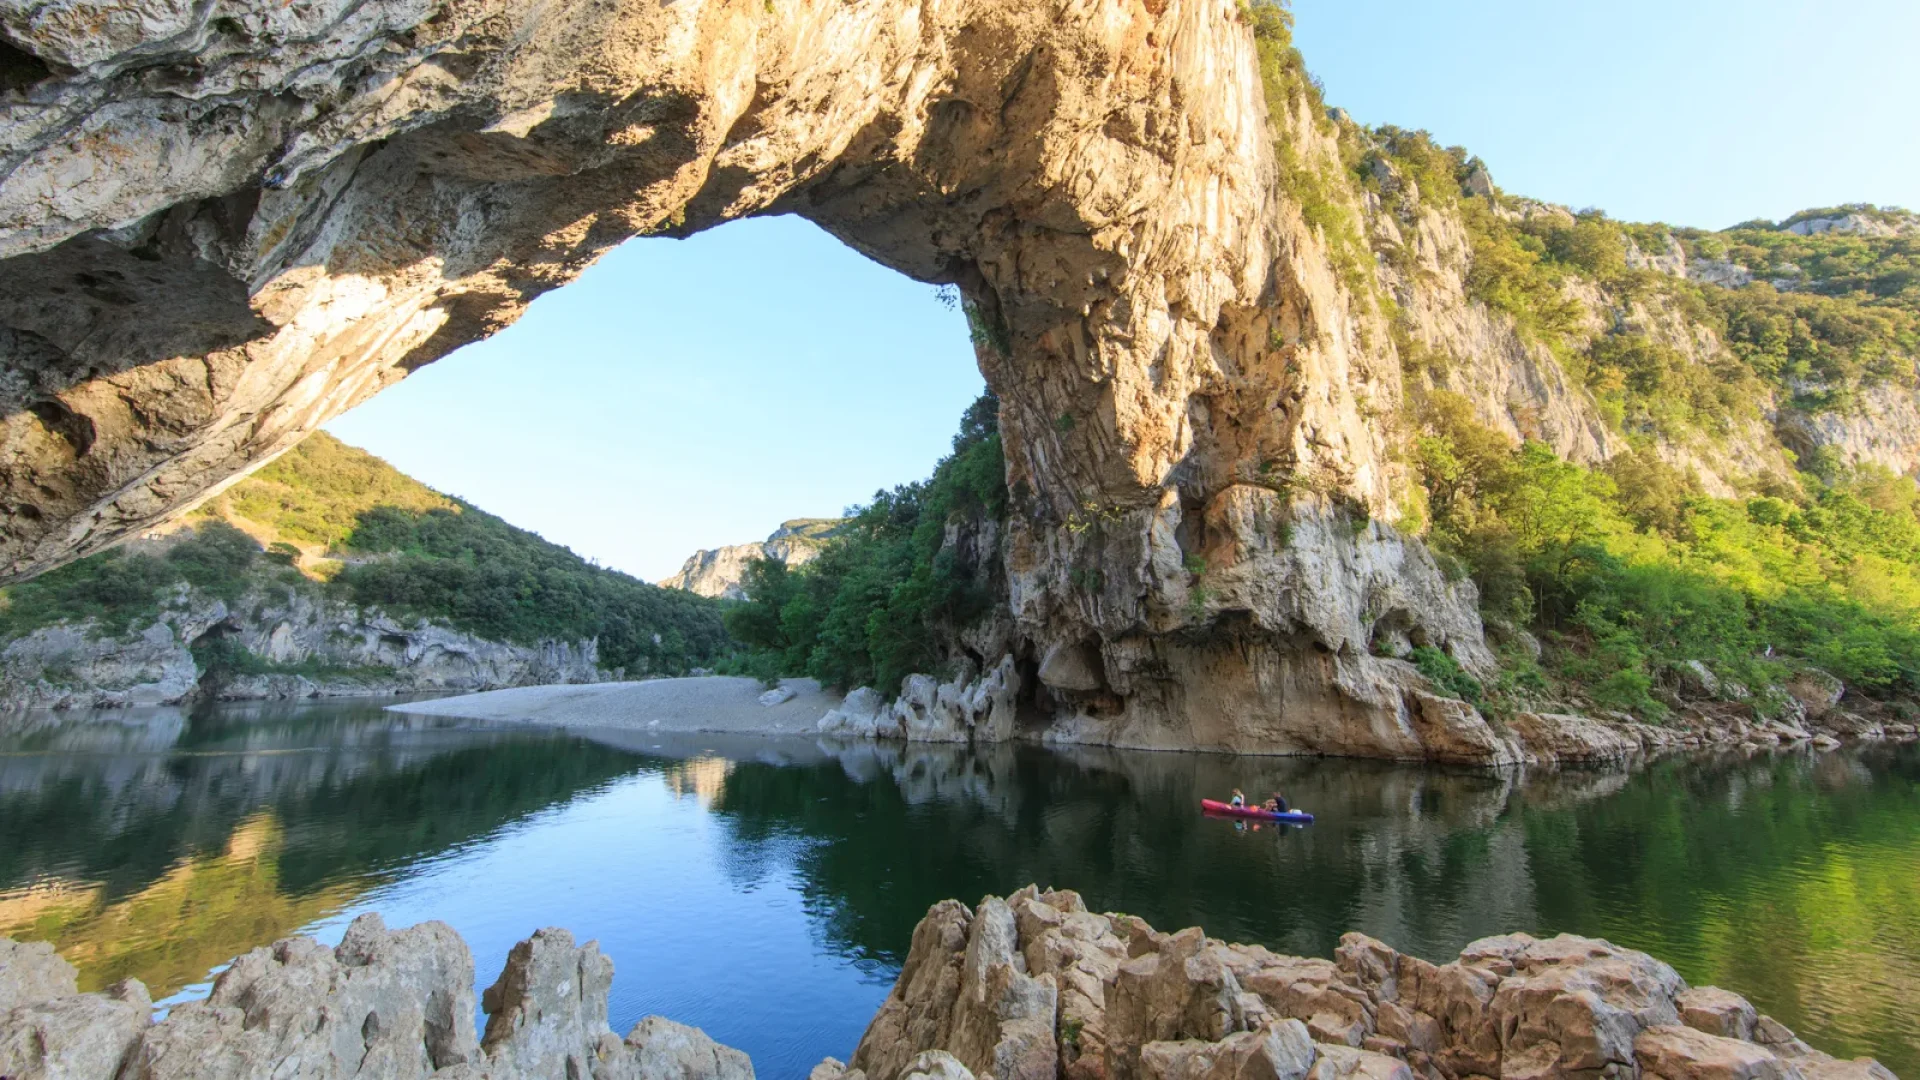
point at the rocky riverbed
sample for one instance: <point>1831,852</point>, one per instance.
<point>1031,987</point>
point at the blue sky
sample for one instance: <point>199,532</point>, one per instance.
<point>686,394</point>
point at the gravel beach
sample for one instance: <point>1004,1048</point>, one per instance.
<point>709,704</point>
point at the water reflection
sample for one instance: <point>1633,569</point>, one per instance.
<point>711,868</point>
<point>1794,878</point>
<point>152,845</point>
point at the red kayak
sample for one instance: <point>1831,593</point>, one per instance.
<point>1254,813</point>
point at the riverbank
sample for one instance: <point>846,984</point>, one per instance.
<point>1450,732</point>
<point>717,704</point>
<point>1033,987</point>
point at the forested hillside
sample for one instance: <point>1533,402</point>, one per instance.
<point>322,566</point>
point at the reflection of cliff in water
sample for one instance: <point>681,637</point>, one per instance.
<point>157,845</point>
<point>920,824</point>
<point>1705,862</point>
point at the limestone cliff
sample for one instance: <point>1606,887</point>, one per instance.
<point>720,572</point>
<point>293,643</point>
<point>222,225</point>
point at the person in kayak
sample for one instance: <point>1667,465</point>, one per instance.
<point>1238,801</point>
<point>1276,804</point>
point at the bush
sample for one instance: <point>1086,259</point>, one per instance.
<point>1447,675</point>
<point>123,591</point>
<point>879,602</point>
<point>1624,579</point>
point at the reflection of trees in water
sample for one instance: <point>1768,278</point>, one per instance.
<point>1790,878</point>
<point>1794,879</point>
<point>1411,851</point>
<point>158,857</point>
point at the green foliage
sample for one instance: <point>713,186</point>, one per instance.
<point>1644,386</point>
<point>1447,675</point>
<point>1793,339</point>
<point>411,551</point>
<point>315,493</point>
<point>1513,272</point>
<point>472,570</point>
<point>1880,272</point>
<point>873,607</point>
<point>224,658</point>
<point>1629,571</point>
<point>1320,190</point>
<point>123,590</point>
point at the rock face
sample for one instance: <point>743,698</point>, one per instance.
<point>222,225</point>
<point>721,572</point>
<point>279,214</point>
<point>1036,986</point>
<point>388,1004</point>
<point>333,651</point>
<point>1033,987</point>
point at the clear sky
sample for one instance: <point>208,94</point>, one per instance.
<point>687,394</point>
<point>1693,112</point>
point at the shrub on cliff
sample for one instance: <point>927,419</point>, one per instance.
<point>874,606</point>
<point>122,591</point>
<point>1627,572</point>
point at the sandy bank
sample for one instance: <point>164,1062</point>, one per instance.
<point>714,704</point>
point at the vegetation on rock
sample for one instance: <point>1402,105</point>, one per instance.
<point>878,603</point>
<point>388,542</point>
<point>1629,571</point>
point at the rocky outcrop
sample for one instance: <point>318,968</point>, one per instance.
<point>721,572</point>
<point>1033,987</point>
<point>970,707</point>
<point>1037,987</point>
<point>388,1004</point>
<point>321,648</point>
<point>222,225</point>
<point>285,212</point>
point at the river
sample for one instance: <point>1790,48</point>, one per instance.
<point>766,890</point>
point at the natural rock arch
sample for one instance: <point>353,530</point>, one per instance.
<point>222,225</point>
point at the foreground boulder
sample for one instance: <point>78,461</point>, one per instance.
<point>1032,987</point>
<point>1132,1003</point>
<point>389,1004</point>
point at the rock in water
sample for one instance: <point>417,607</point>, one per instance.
<point>73,1037</point>
<point>663,1050</point>
<point>388,1004</point>
<point>30,972</point>
<point>1137,1004</point>
<point>1033,987</point>
<point>391,1005</point>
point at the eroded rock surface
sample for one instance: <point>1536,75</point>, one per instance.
<point>1032,987</point>
<point>348,652</point>
<point>223,226</point>
<point>384,1004</point>
<point>1133,1003</point>
<point>722,572</point>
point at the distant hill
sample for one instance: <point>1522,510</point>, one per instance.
<point>330,572</point>
<point>720,572</point>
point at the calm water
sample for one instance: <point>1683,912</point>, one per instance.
<point>766,891</point>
